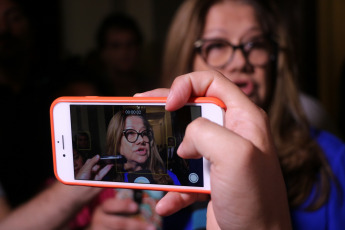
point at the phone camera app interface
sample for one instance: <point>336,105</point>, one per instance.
<point>135,144</point>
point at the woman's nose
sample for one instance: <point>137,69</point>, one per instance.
<point>140,139</point>
<point>238,62</point>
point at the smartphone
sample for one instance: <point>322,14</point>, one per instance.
<point>135,139</point>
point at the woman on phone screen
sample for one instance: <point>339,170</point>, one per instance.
<point>131,137</point>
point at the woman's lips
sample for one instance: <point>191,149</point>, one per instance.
<point>247,87</point>
<point>141,151</point>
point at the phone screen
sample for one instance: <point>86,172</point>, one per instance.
<point>138,142</point>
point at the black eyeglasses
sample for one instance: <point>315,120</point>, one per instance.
<point>218,53</point>
<point>132,135</point>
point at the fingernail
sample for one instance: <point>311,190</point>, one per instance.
<point>137,95</point>
<point>180,148</point>
<point>151,227</point>
<point>133,207</point>
<point>169,98</point>
<point>158,206</point>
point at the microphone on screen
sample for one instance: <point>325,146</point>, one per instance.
<point>110,159</point>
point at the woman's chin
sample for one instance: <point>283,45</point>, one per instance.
<point>136,163</point>
<point>142,160</point>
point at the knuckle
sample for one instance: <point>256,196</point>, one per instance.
<point>195,126</point>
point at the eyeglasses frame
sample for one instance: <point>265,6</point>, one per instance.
<point>138,134</point>
<point>198,47</point>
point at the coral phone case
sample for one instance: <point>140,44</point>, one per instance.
<point>70,115</point>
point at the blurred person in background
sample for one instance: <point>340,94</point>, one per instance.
<point>24,124</point>
<point>118,55</point>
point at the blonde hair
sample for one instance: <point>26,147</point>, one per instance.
<point>301,158</point>
<point>154,163</point>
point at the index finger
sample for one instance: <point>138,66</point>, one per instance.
<point>203,83</point>
<point>174,201</point>
<point>242,116</point>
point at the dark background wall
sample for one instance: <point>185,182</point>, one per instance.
<point>66,28</point>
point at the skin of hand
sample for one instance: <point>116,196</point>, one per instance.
<point>118,214</point>
<point>247,186</point>
<point>91,170</point>
<point>51,209</point>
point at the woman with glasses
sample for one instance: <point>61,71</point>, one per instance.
<point>130,138</point>
<point>244,41</point>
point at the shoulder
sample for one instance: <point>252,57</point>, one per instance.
<point>333,147</point>
<point>173,177</point>
<point>334,150</point>
<point>330,215</point>
<point>316,113</point>
<point>309,102</point>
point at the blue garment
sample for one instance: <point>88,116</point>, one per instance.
<point>331,215</point>
<point>174,178</point>
<point>171,174</point>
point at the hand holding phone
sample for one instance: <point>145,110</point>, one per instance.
<point>248,189</point>
<point>124,142</point>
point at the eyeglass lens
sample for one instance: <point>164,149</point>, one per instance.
<point>132,135</point>
<point>218,53</point>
